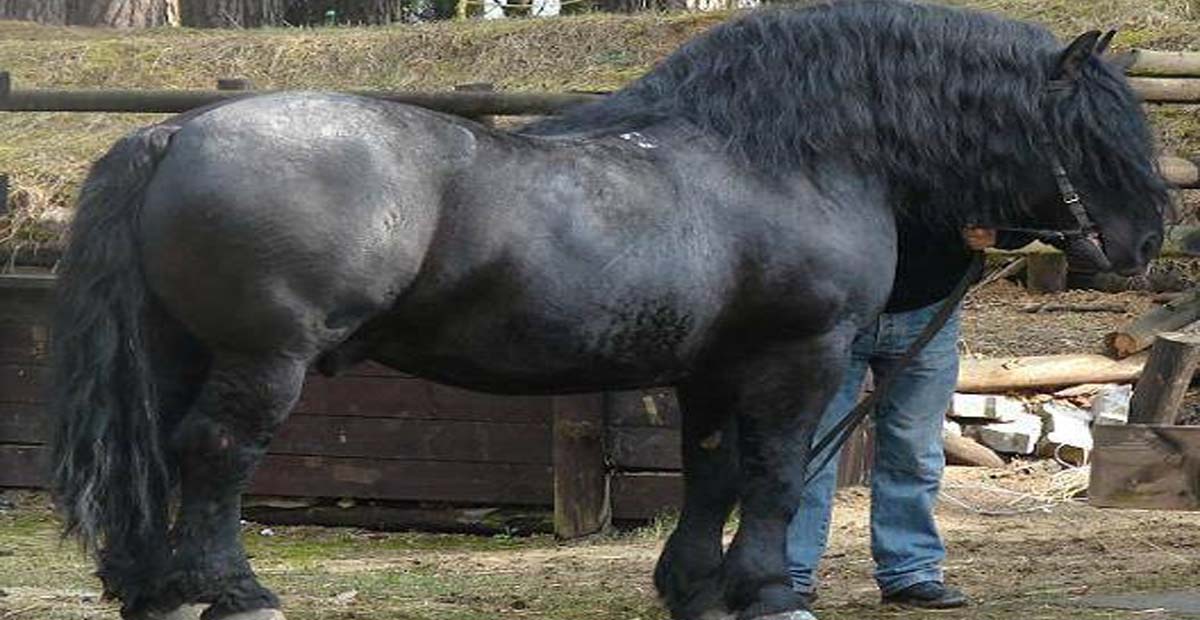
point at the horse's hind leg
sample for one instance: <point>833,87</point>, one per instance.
<point>218,445</point>
<point>688,575</point>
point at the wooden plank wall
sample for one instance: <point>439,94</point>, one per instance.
<point>377,435</point>
<point>643,449</point>
<point>371,434</point>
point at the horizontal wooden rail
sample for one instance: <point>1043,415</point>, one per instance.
<point>1183,173</point>
<point>471,104</point>
<point>1166,90</point>
<point>1162,64</point>
<point>174,101</point>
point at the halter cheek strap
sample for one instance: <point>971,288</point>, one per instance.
<point>1084,241</point>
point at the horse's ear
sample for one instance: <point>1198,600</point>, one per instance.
<point>1105,40</point>
<point>1071,61</point>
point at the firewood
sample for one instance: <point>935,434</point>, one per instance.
<point>998,375</point>
<point>1140,333</point>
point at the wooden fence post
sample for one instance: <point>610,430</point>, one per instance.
<point>1046,272</point>
<point>858,457</point>
<point>234,84</point>
<point>3,193</point>
<point>1165,380</point>
<point>479,87</point>
<point>581,502</point>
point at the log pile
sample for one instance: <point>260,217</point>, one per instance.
<point>1050,405</point>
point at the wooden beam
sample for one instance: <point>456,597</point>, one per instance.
<point>1046,272</point>
<point>581,503</point>
<point>1165,380</point>
<point>654,407</point>
<point>471,104</point>
<point>645,495</point>
<point>1145,466</point>
<point>996,375</point>
<point>1181,172</point>
<point>966,451</point>
<point>478,520</point>
<point>1163,90</point>
<point>1139,334</point>
<point>318,476</point>
<point>1161,64</point>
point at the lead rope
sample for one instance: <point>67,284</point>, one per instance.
<point>829,445</point>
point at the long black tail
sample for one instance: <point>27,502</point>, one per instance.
<point>112,475</point>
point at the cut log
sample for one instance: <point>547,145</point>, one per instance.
<point>1140,334</point>
<point>1161,64</point>
<point>966,451</point>
<point>1180,172</point>
<point>1046,272</point>
<point>1164,382</point>
<point>998,375</point>
<point>1055,307</point>
<point>1166,90</point>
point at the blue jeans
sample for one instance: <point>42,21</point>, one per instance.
<point>908,464</point>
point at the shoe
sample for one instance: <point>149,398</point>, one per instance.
<point>808,597</point>
<point>927,595</point>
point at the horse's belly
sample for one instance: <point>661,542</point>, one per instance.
<point>538,351</point>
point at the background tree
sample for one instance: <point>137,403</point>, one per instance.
<point>119,13</point>
<point>41,11</point>
<point>232,13</point>
<point>313,12</point>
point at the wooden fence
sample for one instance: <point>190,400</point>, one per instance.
<point>374,435</point>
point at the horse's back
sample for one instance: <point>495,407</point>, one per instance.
<point>306,213</point>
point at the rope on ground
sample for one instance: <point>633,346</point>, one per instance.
<point>990,500</point>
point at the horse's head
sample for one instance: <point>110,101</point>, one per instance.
<point>1098,177</point>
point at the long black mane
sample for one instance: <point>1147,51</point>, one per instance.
<point>950,104</point>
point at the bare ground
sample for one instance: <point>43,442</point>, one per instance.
<point>1034,560</point>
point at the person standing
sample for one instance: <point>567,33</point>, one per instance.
<point>909,461</point>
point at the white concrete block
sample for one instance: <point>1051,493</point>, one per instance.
<point>1065,424</point>
<point>1111,405</point>
<point>1017,436</point>
<point>986,407</point>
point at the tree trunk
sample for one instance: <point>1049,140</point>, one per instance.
<point>41,11</point>
<point>118,13</point>
<point>232,13</point>
<point>314,12</point>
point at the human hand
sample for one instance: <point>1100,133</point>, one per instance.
<point>978,238</point>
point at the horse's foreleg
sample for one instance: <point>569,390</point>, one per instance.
<point>688,575</point>
<point>219,443</point>
<point>781,394</point>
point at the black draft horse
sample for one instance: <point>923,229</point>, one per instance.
<point>723,225</point>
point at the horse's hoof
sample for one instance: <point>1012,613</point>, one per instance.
<point>799,614</point>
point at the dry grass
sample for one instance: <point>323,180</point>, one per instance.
<point>47,154</point>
